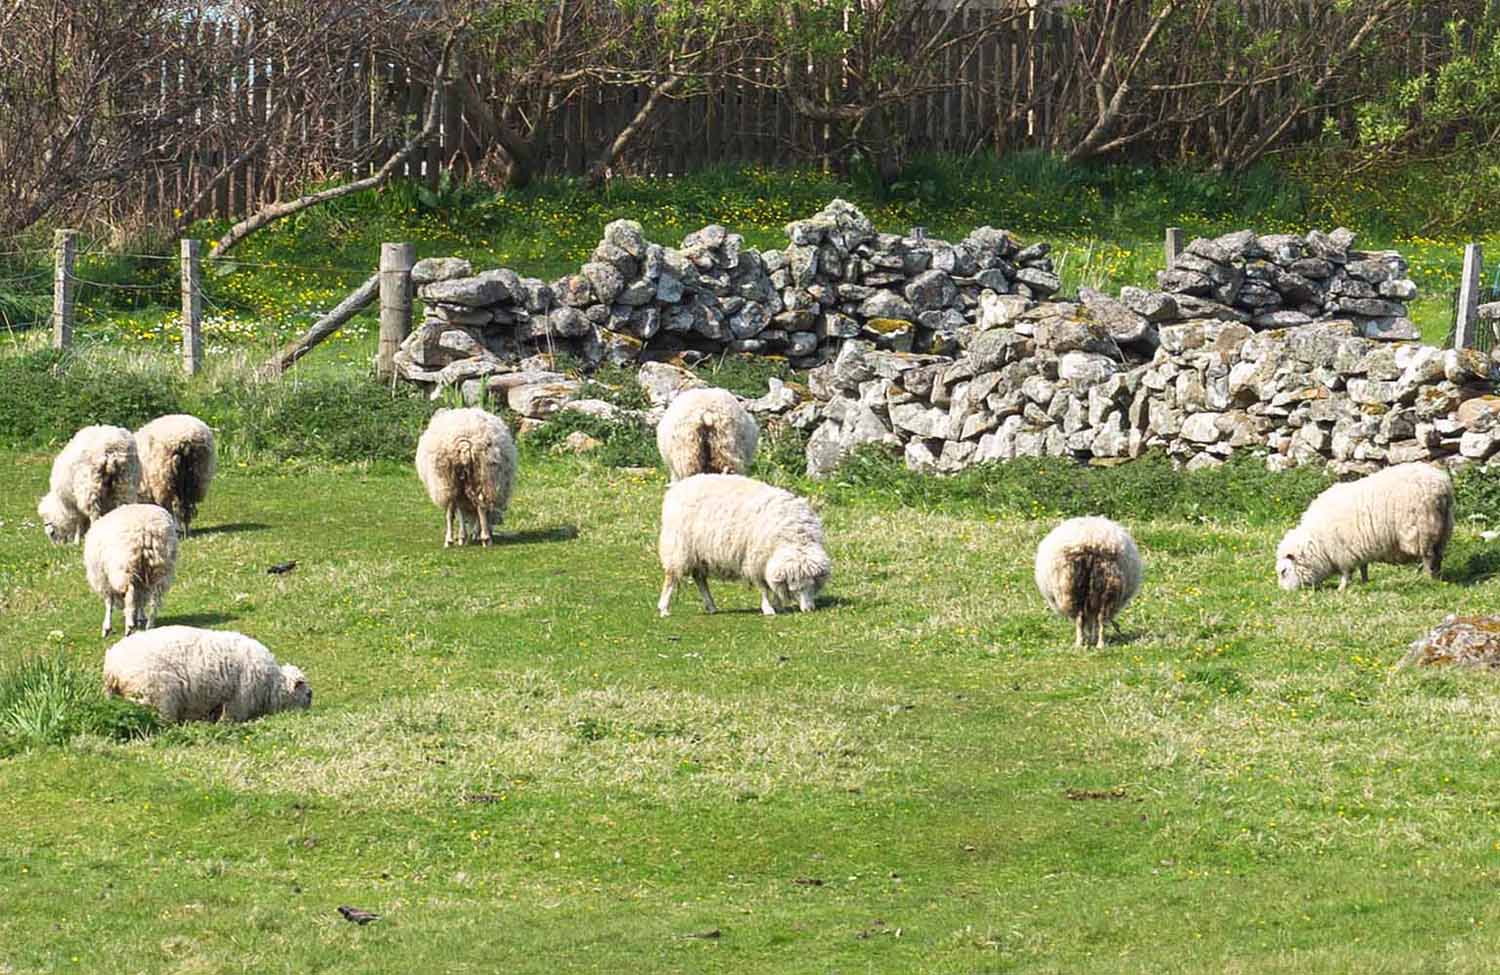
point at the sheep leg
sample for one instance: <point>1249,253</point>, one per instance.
<point>1364,573</point>
<point>109,609</point>
<point>1099,633</point>
<point>448,526</point>
<point>1078,630</point>
<point>767,604</point>
<point>1343,580</point>
<point>701,578</point>
<point>664,604</point>
<point>132,610</point>
<point>463,528</point>
<point>484,525</point>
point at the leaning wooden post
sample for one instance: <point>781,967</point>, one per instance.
<point>1173,245</point>
<point>395,303</point>
<point>1467,320</point>
<point>64,252</point>
<point>192,307</point>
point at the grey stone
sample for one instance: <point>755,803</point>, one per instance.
<point>1083,369</point>
<point>885,304</point>
<point>662,381</point>
<point>487,288</point>
<point>430,269</point>
<point>1458,641</point>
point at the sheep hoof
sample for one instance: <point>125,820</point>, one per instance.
<point>663,611</point>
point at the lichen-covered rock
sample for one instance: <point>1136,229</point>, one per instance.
<point>1460,641</point>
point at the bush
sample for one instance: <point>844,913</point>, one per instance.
<point>48,700</point>
<point>624,443</point>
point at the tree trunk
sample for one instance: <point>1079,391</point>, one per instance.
<point>643,119</point>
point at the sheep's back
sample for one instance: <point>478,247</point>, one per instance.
<point>729,525</point>
<point>187,673</point>
<point>1395,513</point>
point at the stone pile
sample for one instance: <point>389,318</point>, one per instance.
<point>1283,280</point>
<point>635,300</point>
<point>1055,380</point>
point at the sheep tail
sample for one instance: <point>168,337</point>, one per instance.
<point>185,481</point>
<point>1106,585</point>
<point>707,463</point>
<point>110,471</point>
<point>1095,583</point>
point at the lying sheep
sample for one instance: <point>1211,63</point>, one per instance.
<point>177,463</point>
<point>1087,569</point>
<point>97,471</point>
<point>130,555</point>
<point>467,461</point>
<point>188,674</point>
<point>733,527</point>
<point>706,431</point>
<point>1401,514</point>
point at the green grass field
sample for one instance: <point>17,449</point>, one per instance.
<point>521,768</point>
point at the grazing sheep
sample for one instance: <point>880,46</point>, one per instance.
<point>467,461</point>
<point>188,674</point>
<point>131,555</point>
<point>1401,514</point>
<point>177,464</point>
<point>706,431</point>
<point>734,527</point>
<point>97,471</point>
<point>1087,569</point>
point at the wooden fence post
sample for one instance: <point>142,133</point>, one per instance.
<point>64,252</point>
<point>192,307</point>
<point>1173,245</point>
<point>395,303</point>
<point>1464,325</point>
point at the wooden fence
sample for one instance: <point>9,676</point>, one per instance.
<point>1021,87</point>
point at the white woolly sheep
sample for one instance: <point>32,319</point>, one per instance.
<point>97,471</point>
<point>734,527</point>
<point>131,555</point>
<point>1401,514</point>
<point>706,431</point>
<point>1087,569</point>
<point>188,674</point>
<point>177,463</point>
<point>467,461</point>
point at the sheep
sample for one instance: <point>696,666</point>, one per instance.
<point>131,555</point>
<point>177,464</point>
<point>466,460</point>
<point>734,527</point>
<point>1087,569</point>
<point>97,471</point>
<point>189,674</point>
<point>706,431</point>
<point>1401,514</point>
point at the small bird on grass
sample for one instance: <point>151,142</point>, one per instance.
<point>282,568</point>
<point>357,916</point>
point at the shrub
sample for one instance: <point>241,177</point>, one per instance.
<point>48,700</point>
<point>624,442</point>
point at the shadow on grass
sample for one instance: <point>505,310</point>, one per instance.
<point>231,529</point>
<point>197,619</point>
<point>557,533</point>
<point>1478,567</point>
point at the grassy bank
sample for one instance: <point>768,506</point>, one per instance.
<point>1107,223</point>
<point>519,766</point>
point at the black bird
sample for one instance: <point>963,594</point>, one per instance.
<point>281,568</point>
<point>355,914</point>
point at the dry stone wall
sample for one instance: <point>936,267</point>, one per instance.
<point>635,300</point>
<point>957,353</point>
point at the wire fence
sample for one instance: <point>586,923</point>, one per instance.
<point>137,297</point>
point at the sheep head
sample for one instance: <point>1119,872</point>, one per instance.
<point>797,572</point>
<point>295,687</point>
<point>1297,561</point>
<point>59,522</point>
